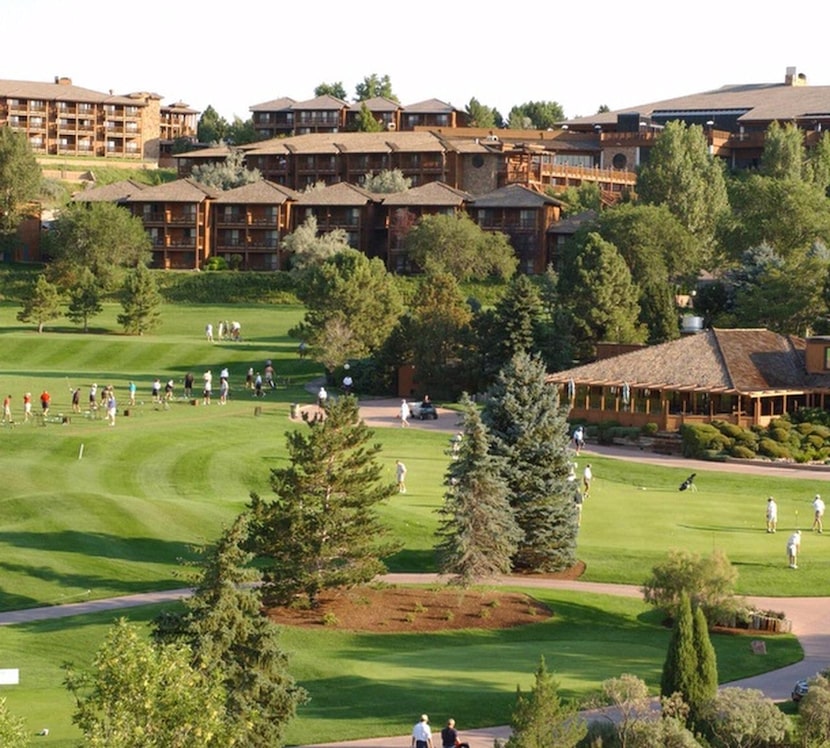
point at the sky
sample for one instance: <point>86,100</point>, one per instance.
<point>580,54</point>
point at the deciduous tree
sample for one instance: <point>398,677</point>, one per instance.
<point>529,434</point>
<point>20,178</point>
<point>308,248</point>
<point>478,532</point>
<point>783,155</point>
<point>211,128</point>
<point>331,89</point>
<point>373,86</point>
<point>323,529</point>
<point>536,115</point>
<point>42,304</point>
<point>386,181</point>
<point>227,174</point>
<point>743,718</point>
<point>13,732</point>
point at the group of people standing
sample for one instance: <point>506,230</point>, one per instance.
<point>422,735</point>
<point>224,331</point>
<point>794,540</point>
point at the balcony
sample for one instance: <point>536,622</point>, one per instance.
<point>182,218</point>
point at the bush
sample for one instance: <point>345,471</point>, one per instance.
<point>774,449</point>
<point>231,287</point>
<point>605,431</point>
<point>698,438</point>
<point>742,452</point>
<point>650,428</point>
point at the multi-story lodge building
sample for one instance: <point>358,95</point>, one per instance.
<point>61,119</point>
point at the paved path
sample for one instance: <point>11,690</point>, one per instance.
<point>809,616</point>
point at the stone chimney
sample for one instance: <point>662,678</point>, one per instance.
<point>793,79</point>
<point>62,81</point>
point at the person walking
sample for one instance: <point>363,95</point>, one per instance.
<point>587,478</point>
<point>207,378</point>
<point>772,515</point>
<point>793,546</point>
<point>112,406</point>
<point>449,736</point>
<point>400,476</point>
<point>188,385</point>
<point>579,439</point>
<point>322,398</point>
<point>818,513</point>
<point>7,410</point>
<point>45,402</point>
<point>76,400</point>
<point>209,332</point>
<point>421,733</point>
<point>404,414</point>
<point>133,390</point>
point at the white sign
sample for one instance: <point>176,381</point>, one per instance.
<point>9,676</point>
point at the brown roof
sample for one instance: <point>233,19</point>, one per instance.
<point>117,192</point>
<point>65,91</point>
<point>376,104</point>
<point>514,196</point>
<point>275,105</point>
<point>181,191</point>
<point>745,360</point>
<point>324,102</point>
<point>342,142</point>
<point>430,106</point>
<point>338,194</point>
<point>261,191</point>
<point>431,193</point>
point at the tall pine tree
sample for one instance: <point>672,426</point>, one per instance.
<point>141,301</point>
<point>323,529</point>
<point>706,682</point>
<point>478,532</point>
<point>529,434</point>
<point>680,669</point>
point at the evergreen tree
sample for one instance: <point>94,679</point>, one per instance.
<point>323,529</point>
<point>706,683</point>
<point>141,302</point>
<point>529,433</point>
<point>680,669</point>
<point>211,128</point>
<point>478,532</point>
<point>42,304</point>
<point>20,178</point>
<point>228,632</point>
<point>783,155</point>
<point>84,300</point>
<point>540,718</point>
<point>366,121</point>
<point>517,318</point>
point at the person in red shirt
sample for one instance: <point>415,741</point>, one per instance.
<point>27,406</point>
<point>7,409</point>
<point>45,402</point>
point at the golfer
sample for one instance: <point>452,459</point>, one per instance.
<point>772,515</point>
<point>793,546</point>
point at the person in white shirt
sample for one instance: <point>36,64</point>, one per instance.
<point>421,734</point>
<point>793,546</point>
<point>772,515</point>
<point>587,477</point>
<point>818,513</point>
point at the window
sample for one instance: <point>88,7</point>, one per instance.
<point>827,358</point>
<point>527,219</point>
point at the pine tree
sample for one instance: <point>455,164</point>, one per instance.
<point>478,532</point>
<point>228,632</point>
<point>42,305</point>
<point>529,433</point>
<point>323,530</point>
<point>706,682</point>
<point>541,720</point>
<point>141,302</point>
<point>84,300</point>
<point>680,669</point>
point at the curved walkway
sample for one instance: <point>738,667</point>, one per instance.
<point>809,615</point>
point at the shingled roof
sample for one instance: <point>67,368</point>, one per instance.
<point>431,194</point>
<point>180,191</point>
<point>743,360</point>
<point>261,191</point>
<point>116,192</point>
<point>338,194</point>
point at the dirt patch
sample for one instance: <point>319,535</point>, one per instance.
<point>391,609</point>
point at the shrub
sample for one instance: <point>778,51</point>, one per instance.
<point>697,438</point>
<point>737,713</point>
<point>732,430</point>
<point>773,449</point>
<point>605,431</point>
<point>742,452</point>
<point>650,428</point>
<point>216,263</point>
<point>330,619</point>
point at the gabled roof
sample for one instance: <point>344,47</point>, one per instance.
<point>217,152</point>
<point>742,360</point>
<point>758,102</point>
<point>376,104</point>
<point>430,106</point>
<point>570,225</point>
<point>343,142</point>
<point>65,91</point>
<point>438,194</point>
<point>514,196</point>
<point>181,191</point>
<point>320,102</point>
<point>261,191</point>
<point>340,194</point>
<point>179,107</point>
<point>275,105</point>
<point>117,192</point>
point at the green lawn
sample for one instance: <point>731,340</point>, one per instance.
<point>93,511</point>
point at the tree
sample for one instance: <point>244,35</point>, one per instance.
<point>13,733</point>
<point>681,175</point>
<point>536,115</point>
<point>602,297</point>
<point>323,530</point>
<point>814,710</point>
<point>482,116</point>
<point>541,719</point>
<point>817,167</point>
<point>706,683</point>
<point>42,303</point>
<point>783,154</point>
<point>743,718</point>
<point>529,434</point>
<point>680,666</point>
<point>516,319</point>
<point>478,533</point>
<point>367,122</point>
<point>455,244</point>
<point>628,694</point>
<point>386,181</point>
<point>84,300</point>
<point>227,174</point>
<point>708,581</point>
<point>140,695</point>
<point>20,178</point>
<point>211,128</point>
<point>373,86</point>
<point>100,238</point>
<point>331,89</point>
<point>241,131</point>
<point>353,295</point>
<point>228,632</point>
<point>307,249</point>
<point>141,302</point>
<point>439,335</point>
